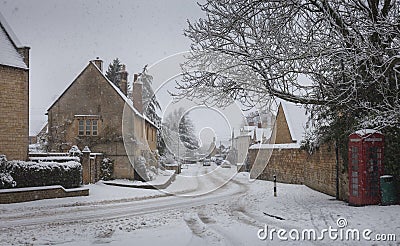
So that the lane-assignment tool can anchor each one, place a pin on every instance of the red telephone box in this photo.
(365, 166)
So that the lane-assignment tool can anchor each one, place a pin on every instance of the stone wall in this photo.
(39, 193)
(296, 166)
(14, 112)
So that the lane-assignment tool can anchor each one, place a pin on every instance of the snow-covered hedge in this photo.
(29, 174)
(6, 181)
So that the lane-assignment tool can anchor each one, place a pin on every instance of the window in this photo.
(87, 126)
(81, 127)
(354, 171)
(94, 127)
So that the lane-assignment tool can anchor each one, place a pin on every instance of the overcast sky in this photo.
(65, 35)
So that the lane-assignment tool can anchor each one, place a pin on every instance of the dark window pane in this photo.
(88, 126)
(81, 128)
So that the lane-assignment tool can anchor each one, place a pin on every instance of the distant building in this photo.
(248, 136)
(283, 156)
(14, 94)
(93, 112)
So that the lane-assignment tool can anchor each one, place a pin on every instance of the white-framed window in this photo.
(88, 125)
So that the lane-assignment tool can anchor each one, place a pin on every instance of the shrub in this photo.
(75, 151)
(106, 169)
(6, 181)
(30, 174)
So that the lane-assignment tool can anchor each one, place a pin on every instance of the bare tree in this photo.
(256, 51)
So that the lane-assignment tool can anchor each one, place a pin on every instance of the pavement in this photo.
(162, 181)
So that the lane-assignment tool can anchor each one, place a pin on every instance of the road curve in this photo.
(76, 214)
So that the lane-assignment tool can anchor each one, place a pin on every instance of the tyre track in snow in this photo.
(209, 222)
(127, 209)
(204, 225)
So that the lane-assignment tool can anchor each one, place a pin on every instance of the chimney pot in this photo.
(99, 63)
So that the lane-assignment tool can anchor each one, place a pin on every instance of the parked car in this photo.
(206, 162)
(226, 164)
(219, 160)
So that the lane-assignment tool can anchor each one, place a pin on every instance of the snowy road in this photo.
(121, 209)
(190, 215)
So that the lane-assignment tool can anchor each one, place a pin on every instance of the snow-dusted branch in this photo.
(255, 51)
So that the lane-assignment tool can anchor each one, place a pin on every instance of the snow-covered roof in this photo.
(365, 132)
(263, 133)
(248, 131)
(9, 43)
(249, 128)
(10, 32)
(296, 118)
(125, 98)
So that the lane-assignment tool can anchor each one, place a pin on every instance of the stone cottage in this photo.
(93, 112)
(14, 94)
(283, 156)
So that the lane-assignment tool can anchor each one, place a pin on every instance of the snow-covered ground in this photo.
(199, 208)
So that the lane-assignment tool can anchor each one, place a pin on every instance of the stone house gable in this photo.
(90, 113)
(88, 97)
(14, 94)
(281, 131)
(290, 124)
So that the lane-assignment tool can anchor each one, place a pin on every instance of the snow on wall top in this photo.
(296, 118)
(8, 42)
(275, 146)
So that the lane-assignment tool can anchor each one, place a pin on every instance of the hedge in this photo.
(30, 174)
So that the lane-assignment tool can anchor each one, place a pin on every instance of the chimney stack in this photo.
(99, 63)
(124, 80)
(24, 52)
(137, 94)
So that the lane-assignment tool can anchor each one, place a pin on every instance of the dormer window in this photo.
(88, 125)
